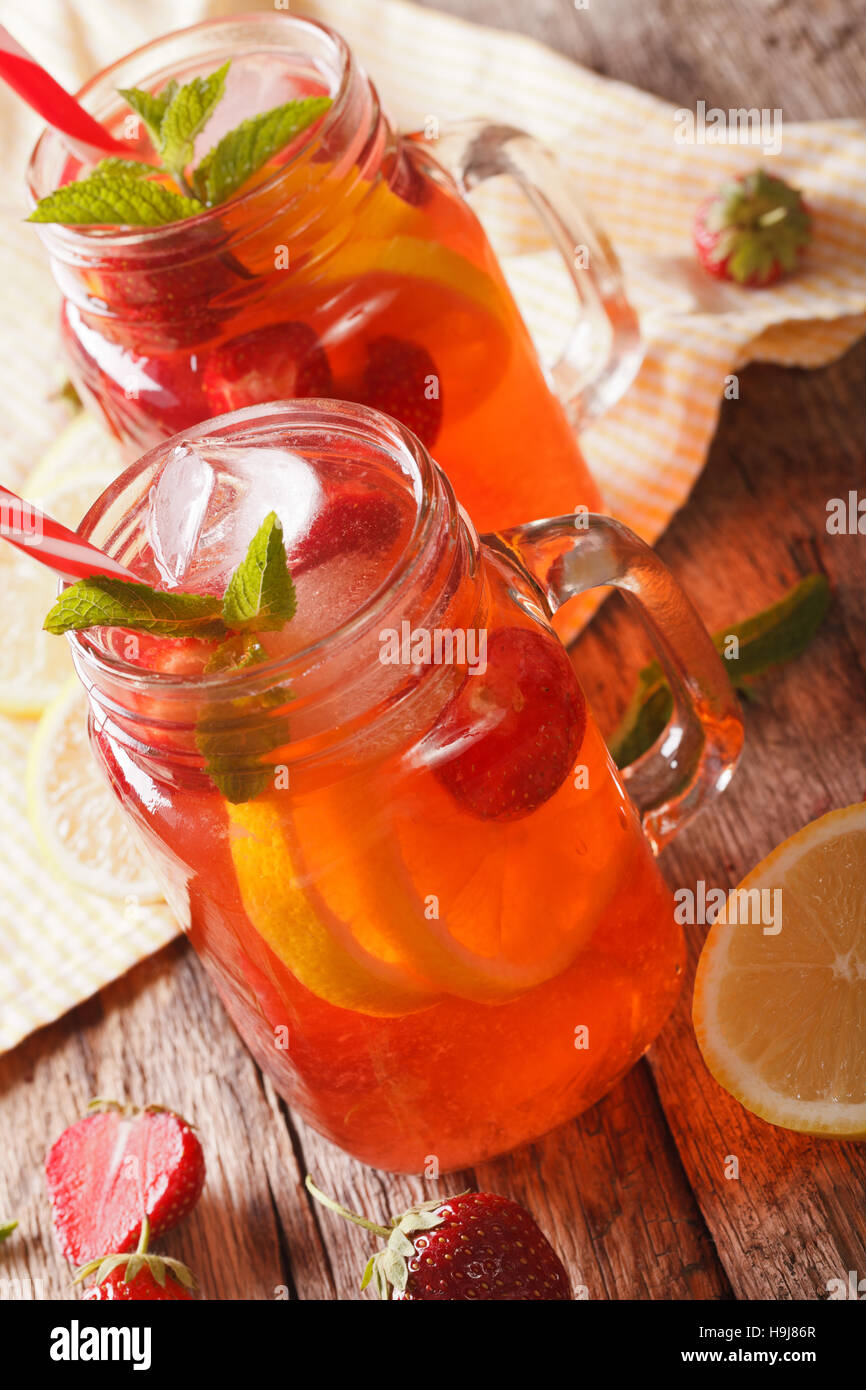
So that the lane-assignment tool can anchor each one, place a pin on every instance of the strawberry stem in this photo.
(326, 1201)
(144, 1238)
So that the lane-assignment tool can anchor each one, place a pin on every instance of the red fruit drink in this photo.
(350, 267)
(399, 845)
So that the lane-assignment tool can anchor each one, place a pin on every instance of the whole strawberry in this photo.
(516, 729)
(476, 1247)
(141, 1277)
(278, 362)
(401, 379)
(753, 231)
(352, 522)
(140, 1288)
(116, 1167)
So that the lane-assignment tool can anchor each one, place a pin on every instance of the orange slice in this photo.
(289, 911)
(462, 903)
(780, 1005)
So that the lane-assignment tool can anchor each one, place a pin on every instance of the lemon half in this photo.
(780, 1015)
(75, 816)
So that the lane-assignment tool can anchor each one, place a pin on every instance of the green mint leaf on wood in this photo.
(6, 1229)
(150, 106)
(776, 635)
(260, 593)
(247, 148)
(115, 199)
(105, 602)
(186, 116)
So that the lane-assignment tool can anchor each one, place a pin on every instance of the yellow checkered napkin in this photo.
(617, 146)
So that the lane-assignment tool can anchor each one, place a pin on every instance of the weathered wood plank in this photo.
(796, 1217)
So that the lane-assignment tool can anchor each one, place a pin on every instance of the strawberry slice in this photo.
(279, 362)
(117, 1165)
(516, 730)
(352, 523)
(401, 379)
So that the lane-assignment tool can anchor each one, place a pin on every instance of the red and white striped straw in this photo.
(39, 536)
(53, 102)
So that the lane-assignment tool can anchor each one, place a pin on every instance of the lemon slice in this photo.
(780, 1005)
(75, 815)
(33, 664)
(316, 945)
(416, 258)
(83, 445)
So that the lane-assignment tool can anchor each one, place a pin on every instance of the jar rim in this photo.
(102, 238)
(432, 491)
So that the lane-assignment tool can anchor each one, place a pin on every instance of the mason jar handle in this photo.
(694, 757)
(604, 351)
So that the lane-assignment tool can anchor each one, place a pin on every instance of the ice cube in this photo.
(177, 505)
(212, 497)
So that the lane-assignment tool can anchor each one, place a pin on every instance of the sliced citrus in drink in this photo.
(290, 909)
(418, 259)
(438, 892)
(34, 665)
(780, 1004)
(75, 815)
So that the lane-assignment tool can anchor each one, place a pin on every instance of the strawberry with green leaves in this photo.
(477, 1247)
(753, 231)
(139, 1277)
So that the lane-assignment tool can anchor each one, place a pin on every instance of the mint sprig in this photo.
(185, 118)
(116, 199)
(260, 593)
(248, 147)
(105, 602)
(150, 106)
(260, 596)
(233, 736)
(129, 192)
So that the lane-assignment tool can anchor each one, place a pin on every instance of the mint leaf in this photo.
(769, 638)
(105, 602)
(187, 114)
(260, 593)
(236, 653)
(117, 199)
(238, 740)
(150, 107)
(114, 164)
(247, 148)
(6, 1229)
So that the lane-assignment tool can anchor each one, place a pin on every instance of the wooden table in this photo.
(634, 1193)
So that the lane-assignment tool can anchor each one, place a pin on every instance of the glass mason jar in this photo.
(356, 270)
(426, 896)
